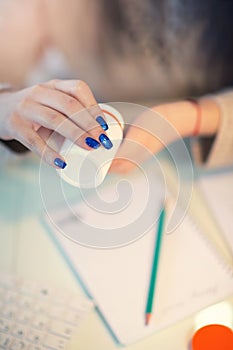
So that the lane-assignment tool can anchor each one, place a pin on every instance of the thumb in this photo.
(150, 133)
(138, 146)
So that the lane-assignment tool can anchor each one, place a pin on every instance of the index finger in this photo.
(82, 92)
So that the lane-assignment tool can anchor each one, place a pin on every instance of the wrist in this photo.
(210, 117)
(6, 109)
(183, 115)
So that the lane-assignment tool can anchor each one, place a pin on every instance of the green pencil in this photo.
(154, 270)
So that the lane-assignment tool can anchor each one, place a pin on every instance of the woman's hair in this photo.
(156, 27)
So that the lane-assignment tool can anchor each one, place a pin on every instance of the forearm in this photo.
(153, 133)
(183, 116)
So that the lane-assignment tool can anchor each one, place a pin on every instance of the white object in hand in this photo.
(87, 169)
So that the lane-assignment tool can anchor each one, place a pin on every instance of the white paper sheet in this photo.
(191, 275)
(218, 192)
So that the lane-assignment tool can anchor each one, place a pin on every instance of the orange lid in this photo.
(213, 337)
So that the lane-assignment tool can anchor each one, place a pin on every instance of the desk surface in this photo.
(27, 251)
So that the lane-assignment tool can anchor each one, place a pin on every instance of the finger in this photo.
(75, 88)
(138, 146)
(122, 166)
(52, 138)
(53, 120)
(36, 144)
(82, 92)
(127, 157)
(69, 107)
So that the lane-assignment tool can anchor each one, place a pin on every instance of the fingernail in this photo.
(105, 141)
(102, 123)
(60, 163)
(92, 142)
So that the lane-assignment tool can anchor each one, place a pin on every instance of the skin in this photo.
(182, 116)
(32, 114)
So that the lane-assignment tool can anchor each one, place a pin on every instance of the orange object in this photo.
(213, 337)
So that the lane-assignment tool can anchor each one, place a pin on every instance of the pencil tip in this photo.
(147, 320)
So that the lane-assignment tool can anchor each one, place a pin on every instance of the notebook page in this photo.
(191, 275)
(218, 192)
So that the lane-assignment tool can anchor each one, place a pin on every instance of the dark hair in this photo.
(146, 25)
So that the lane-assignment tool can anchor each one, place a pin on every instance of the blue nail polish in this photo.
(102, 123)
(105, 141)
(60, 163)
(92, 142)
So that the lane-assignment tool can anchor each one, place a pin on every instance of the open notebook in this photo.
(218, 192)
(192, 274)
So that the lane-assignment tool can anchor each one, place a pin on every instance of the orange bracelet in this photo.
(197, 127)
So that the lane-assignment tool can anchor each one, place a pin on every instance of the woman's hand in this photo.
(31, 115)
(151, 132)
